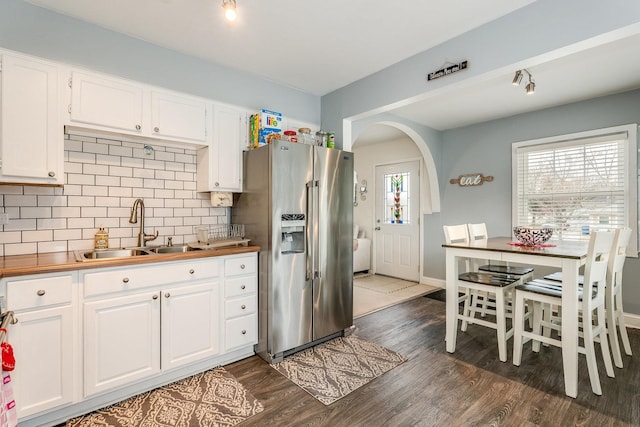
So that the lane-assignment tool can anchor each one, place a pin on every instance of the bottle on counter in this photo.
(102, 239)
(331, 140)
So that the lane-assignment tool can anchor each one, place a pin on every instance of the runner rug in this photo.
(211, 398)
(334, 369)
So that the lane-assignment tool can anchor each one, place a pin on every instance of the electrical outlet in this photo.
(4, 218)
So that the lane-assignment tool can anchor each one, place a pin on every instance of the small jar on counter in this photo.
(321, 138)
(290, 135)
(304, 136)
(101, 239)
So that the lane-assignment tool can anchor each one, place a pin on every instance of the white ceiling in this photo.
(322, 45)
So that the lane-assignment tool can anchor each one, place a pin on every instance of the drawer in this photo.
(241, 331)
(240, 286)
(240, 265)
(38, 292)
(240, 306)
(132, 278)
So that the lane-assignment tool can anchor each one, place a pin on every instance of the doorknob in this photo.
(377, 228)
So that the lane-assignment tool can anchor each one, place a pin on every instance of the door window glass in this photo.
(396, 198)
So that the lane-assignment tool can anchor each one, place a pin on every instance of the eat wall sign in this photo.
(471, 180)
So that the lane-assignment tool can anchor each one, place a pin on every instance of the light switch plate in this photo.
(4, 218)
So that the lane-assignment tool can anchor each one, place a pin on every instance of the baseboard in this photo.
(431, 281)
(632, 320)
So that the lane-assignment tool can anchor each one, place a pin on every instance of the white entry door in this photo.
(397, 228)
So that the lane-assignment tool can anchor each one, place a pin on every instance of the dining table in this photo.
(563, 255)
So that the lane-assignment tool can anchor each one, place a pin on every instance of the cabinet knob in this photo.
(125, 280)
(167, 295)
(154, 297)
(242, 286)
(243, 306)
(40, 292)
(138, 127)
(52, 174)
(242, 266)
(156, 129)
(192, 271)
(217, 184)
(244, 332)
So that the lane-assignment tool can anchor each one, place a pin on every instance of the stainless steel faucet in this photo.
(142, 236)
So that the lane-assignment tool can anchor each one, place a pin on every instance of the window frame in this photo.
(631, 173)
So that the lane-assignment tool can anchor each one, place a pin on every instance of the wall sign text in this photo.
(450, 69)
(471, 180)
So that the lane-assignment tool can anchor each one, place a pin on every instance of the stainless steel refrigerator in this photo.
(297, 204)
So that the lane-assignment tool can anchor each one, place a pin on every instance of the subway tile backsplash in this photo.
(103, 177)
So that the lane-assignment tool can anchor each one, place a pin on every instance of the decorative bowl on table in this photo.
(532, 235)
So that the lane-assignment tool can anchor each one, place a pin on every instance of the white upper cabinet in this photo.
(31, 136)
(178, 117)
(220, 164)
(112, 103)
(119, 105)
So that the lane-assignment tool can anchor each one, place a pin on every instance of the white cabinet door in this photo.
(121, 341)
(110, 103)
(31, 134)
(42, 341)
(190, 323)
(220, 164)
(178, 117)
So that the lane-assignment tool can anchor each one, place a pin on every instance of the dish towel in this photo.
(8, 412)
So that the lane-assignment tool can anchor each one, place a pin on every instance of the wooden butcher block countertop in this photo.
(22, 265)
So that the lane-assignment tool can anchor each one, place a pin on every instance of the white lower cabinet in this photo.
(241, 302)
(190, 324)
(87, 338)
(121, 341)
(139, 331)
(42, 340)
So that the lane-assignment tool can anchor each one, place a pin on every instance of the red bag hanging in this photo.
(8, 359)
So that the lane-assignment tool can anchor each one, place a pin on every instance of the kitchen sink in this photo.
(176, 249)
(110, 253)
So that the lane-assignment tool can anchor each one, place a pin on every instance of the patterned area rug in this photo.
(332, 370)
(212, 398)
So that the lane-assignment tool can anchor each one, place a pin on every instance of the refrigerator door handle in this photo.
(308, 234)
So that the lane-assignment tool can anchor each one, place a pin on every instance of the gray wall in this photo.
(543, 28)
(36, 31)
(486, 148)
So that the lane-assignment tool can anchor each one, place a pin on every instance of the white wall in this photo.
(366, 158)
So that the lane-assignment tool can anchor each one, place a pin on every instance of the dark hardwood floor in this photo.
(435, 388)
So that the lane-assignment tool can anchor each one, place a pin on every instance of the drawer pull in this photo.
(155, 297)
(40, 292)
(192, 271)
(244, 332)
(242, 266)
(167, 295)
(242, 286)
(125, 280)
(243, 306)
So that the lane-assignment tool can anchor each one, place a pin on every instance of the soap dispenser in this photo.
(102, 239)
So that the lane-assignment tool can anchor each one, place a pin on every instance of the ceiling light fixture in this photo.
(229, 7)
(530, 87)
(517, 78)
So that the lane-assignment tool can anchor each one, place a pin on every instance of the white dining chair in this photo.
(479, 232)
(613, 298)
(495, 286)
(541, 293)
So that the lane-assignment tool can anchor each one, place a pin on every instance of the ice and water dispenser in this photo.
(292, 228)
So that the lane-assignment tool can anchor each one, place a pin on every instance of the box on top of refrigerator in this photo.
(270, 120)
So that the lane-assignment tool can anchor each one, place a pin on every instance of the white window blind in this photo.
(577, 183)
